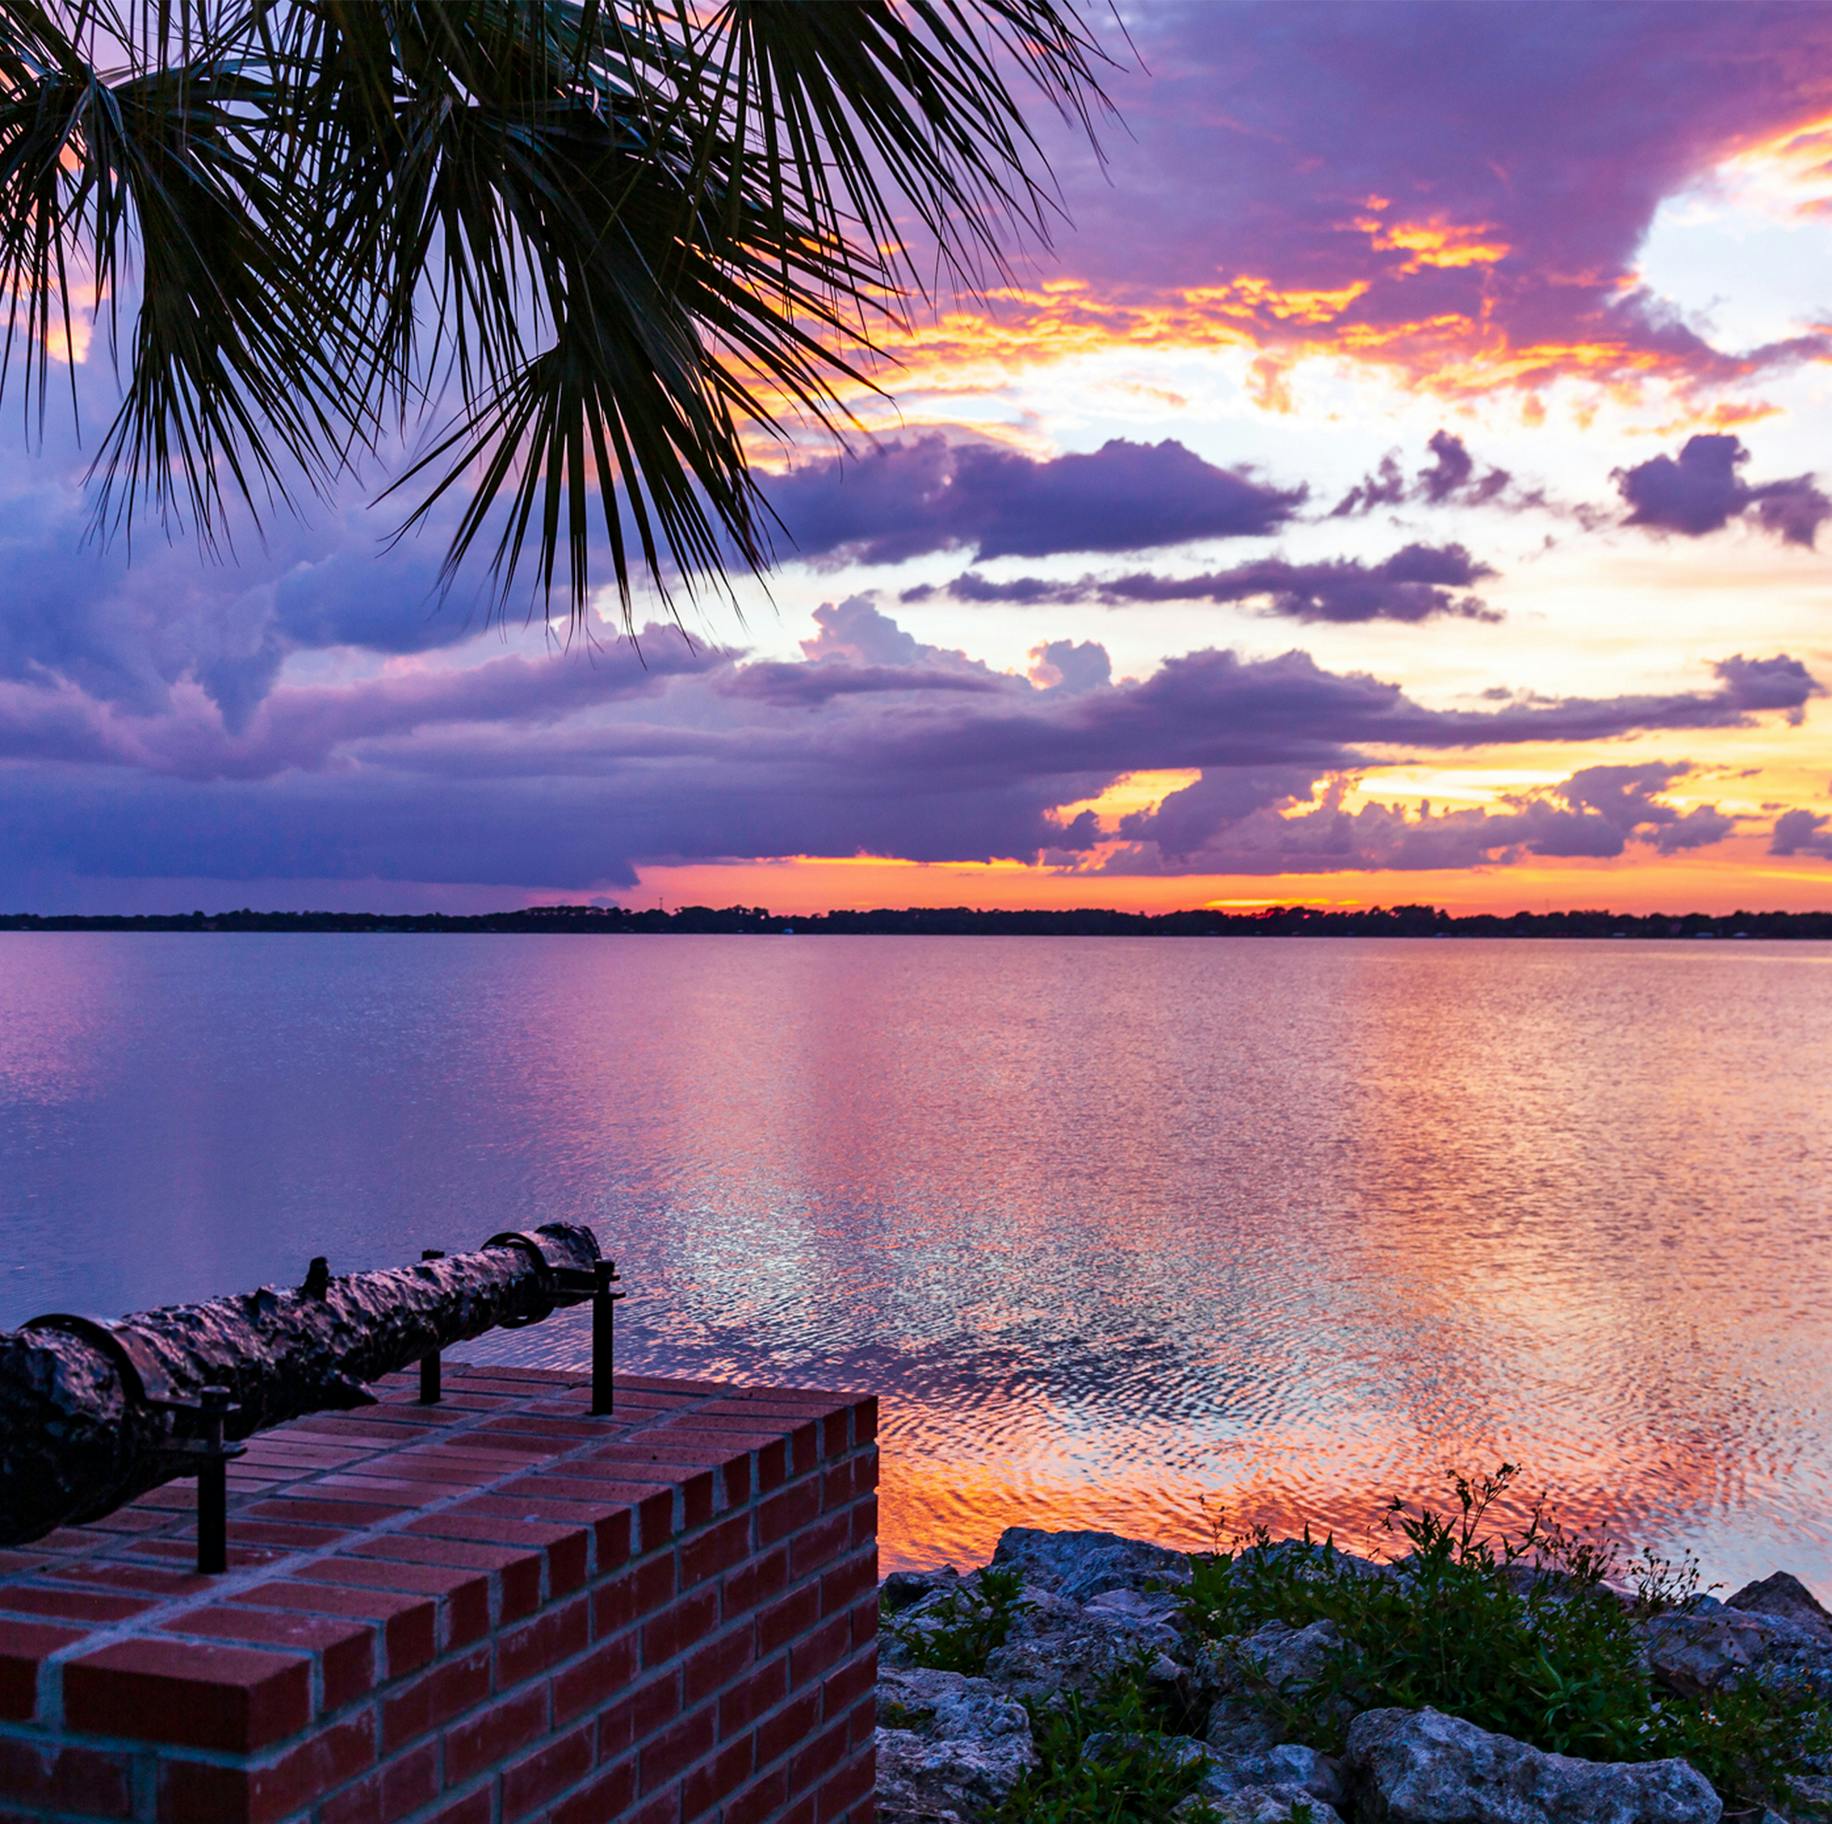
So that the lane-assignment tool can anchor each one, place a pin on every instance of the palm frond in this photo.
(598, 241)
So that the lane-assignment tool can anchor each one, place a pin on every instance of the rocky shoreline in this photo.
(1088, 1676)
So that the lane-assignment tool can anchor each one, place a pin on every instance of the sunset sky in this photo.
(1405, 478)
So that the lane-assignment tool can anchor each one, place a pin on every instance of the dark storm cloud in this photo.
(571, 771)
(1702, 489)
(1417, 583)
(913, 495)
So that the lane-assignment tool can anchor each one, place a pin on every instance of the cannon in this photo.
(95, 1411)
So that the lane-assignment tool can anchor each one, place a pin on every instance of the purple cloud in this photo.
(1417, 583)
(1701, 490)
(1451, 477)
(913, 495)
(1457, 194)
(1802, 833)
(1267, 823)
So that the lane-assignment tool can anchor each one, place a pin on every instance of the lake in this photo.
(1127, 1232)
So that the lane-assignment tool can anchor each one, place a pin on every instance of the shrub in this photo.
(1521, 1633)
(961, 1630)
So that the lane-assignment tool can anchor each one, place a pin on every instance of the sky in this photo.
(1404, 478)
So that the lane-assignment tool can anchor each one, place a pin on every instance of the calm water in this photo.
(1114, 1225)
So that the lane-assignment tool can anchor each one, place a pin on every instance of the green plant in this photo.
(1136, 1778)
(959, 1631)
(1518, 1631)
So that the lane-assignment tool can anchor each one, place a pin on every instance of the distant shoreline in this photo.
(958, 921)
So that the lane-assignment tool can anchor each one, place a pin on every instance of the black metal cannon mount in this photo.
(95, 1411)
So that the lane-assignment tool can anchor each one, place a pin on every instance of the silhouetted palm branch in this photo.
(599, 241)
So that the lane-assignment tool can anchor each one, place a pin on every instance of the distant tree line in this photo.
(965, 921)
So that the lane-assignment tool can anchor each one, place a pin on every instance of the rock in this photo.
(1787, 1599)
(904, 1589)
(1291, 1659)
(1810, 1797)
(1288, 1767)
(1238, 1726)
(1422, 1767)
(950, 1749)
(940, 1601)
(1082, 1565)
(1056, 1646)
(1703, 1650)
(1270, 1788)
(1258, 1805)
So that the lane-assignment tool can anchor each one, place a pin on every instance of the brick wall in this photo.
(480, 1612)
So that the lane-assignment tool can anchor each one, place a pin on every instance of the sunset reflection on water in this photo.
(1127, 1233)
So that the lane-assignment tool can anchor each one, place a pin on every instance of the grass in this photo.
(1518, 1632)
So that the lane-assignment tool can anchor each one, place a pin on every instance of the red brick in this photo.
(464, 1597)
(714, 1665)
(755, 1582)
(782, 1621)
(474, 1808)
(716, 1779)
(537, 1645)
(66, 1778)
(24, 1647)
(346, 1514)
(741, 1706)
(851, 1785)
(408, 1623)
(628, 1597)
(685, 1623)
(261, 1792)
(845, 1687)
(635, 1718)
(788, 1512)
(594, 1680)
(200, 1696)
(345, 1649)
(566, 1548)
(394, 1789)
(816, 1547)
(607, 1797)
(673, 1751)
(820, 1652)
(865, 1521)
(865, 1621)
(720, 1548)
(483, 1740)
(139, 1578)
(788, 1728)
(518, 1574)
(847, 1582)
(836, 1434)
(865, 1421)
(814, 1760)
(435, 1698)
(760, 1802)
(775, 1465)
(529, 1783)
(61, 1604)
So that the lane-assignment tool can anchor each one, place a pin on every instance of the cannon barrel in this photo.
(91, 1411)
